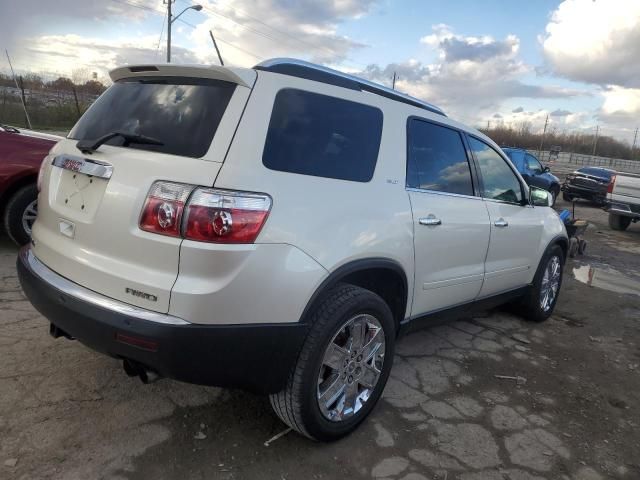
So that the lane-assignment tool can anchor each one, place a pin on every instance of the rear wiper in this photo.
(90, 146)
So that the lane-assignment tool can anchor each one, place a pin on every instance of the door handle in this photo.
(501, 222)
(430, 220)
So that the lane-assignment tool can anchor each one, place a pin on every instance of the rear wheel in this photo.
(538, 304)
(20, 214)
(619, 222)
(343, 366)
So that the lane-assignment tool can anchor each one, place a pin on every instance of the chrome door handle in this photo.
(430, 220)
(501, 222)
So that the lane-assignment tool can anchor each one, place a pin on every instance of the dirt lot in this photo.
(571, 410)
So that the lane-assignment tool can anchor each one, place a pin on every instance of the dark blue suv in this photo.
(533, 172)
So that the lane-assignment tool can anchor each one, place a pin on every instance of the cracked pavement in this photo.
(485, 398)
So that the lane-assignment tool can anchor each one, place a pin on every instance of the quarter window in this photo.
(437, 159)
(499, 181)
(322, 136)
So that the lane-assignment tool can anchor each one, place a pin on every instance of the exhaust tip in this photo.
(136, 369)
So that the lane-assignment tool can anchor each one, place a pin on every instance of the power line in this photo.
(281, 32)
(218, 38)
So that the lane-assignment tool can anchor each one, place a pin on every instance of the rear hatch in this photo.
(91, 202)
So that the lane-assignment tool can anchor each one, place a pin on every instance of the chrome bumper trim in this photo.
(68, 287)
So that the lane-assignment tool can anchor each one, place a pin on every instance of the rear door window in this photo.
(322, 136)
(182, 113)
(437, 159)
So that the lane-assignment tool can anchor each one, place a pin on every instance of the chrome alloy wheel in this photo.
(351, 367)
(29, 216)
(550, 283)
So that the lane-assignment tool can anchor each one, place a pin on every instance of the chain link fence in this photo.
(580, 160)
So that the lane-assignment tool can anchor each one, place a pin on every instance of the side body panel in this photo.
(449, 256)
(20, 157)
(626, 189)
(333, 221)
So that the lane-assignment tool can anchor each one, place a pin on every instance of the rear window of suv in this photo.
(182, 113)
(322, 136)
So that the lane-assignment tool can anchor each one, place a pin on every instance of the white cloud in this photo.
(472, 77)
(595, 41)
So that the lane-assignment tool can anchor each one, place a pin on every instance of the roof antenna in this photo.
(216, 45)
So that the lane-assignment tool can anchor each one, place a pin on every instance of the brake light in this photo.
(223, 216)
(163, 208)
(611, 184)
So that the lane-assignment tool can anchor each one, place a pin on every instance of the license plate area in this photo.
(80, 186)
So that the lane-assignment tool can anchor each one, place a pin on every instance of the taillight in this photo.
(43, 167)
(223, 216)
(163, 208)
(611, 184)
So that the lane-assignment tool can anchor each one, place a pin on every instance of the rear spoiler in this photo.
(245, 77)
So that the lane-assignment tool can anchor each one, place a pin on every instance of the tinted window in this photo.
(499, 181)
(182, 113)
(533, 164)
(437, 159)
(323, 136)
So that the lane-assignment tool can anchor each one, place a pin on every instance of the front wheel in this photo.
(566, 197)
(554, 195)
(538, 304)
(343, 366)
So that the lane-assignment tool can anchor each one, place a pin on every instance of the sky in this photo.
(483, 62)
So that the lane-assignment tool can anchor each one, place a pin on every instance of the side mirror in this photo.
(539, 197)
(546, 169)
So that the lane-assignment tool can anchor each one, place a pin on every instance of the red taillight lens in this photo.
(162, 211)
(611, 184)
(223, 216)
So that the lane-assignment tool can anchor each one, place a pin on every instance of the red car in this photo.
(21, 153)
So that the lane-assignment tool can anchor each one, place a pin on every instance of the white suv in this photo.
(276, 229)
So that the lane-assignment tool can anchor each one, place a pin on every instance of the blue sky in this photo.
(482, 61)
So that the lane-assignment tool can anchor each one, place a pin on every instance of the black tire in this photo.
(530, 306)
(16, 207)
(619, 222)
(554, 195)
(297, 404)
(566, 197)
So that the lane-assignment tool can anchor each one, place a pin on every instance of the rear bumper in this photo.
(587, 192)
(623, 209)
(254, 357)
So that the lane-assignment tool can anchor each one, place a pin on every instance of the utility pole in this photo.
(171, 19)
(595, 140)
(169, 2)
(544, 132)
(24, 103)
(393, 83)
(633, 147)
(217, 50)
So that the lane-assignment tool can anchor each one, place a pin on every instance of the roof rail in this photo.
(318, 73)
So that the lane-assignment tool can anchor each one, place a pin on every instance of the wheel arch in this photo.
(382, 276)
(563, 243)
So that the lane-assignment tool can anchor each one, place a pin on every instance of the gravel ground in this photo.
(489, 397)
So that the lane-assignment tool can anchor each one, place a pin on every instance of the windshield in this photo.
(182, 113)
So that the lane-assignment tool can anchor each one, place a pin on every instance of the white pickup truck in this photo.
(623, 196)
